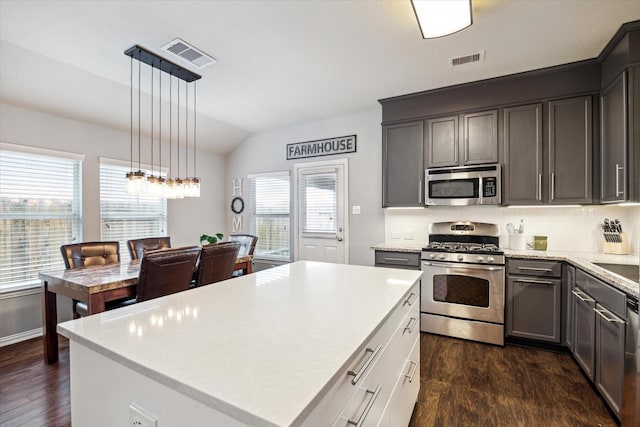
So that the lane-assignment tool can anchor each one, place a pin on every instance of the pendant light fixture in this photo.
(438, 18)
(137, 181)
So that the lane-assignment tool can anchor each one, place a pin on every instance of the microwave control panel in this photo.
(489, 186)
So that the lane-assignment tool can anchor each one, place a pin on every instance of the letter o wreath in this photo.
(237, 205)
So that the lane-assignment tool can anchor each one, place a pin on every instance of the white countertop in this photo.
(261, 348)
(583, 260)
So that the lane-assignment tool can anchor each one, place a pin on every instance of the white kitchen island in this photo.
(311, 344)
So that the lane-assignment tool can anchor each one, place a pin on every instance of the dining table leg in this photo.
(49, 319)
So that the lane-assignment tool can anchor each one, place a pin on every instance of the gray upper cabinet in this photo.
(613, 128)
(480, 137)
(570, 150)
(403, 170)
(523, 155)
(442, 142)
(478, 144)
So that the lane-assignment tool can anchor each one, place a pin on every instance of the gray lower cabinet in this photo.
(568, 283)
(393, 259)
(534, 300)
(570, 151)
(610, 341)
(402, 167)
(584, 326)
(465, 139)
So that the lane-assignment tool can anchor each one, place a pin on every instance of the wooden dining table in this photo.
(95, 286)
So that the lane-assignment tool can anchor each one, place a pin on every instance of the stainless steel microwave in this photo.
(463, 186)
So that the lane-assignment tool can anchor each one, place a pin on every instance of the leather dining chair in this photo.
(86, 254)
(247, 243)
(137, 247)
(165, 272)
(217, 262)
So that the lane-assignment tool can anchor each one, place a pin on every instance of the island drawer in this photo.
(405, 391)
(534, 268)
(365, 361)
(408, 260)
(613, 299)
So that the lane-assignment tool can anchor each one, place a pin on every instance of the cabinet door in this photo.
(609, 378)
(533, 308)
(568, 283)
(402, 169)
(584, 331)
(480, 137)
(523, 155)
(442, 142)
(613, 141)
(570, 155)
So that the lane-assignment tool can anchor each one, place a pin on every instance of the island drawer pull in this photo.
(546, 270)
(537, 282)
(410, 325)
(608, 319)
(367, 408)
(357, 375)
(396, 259)
(409, 300)
(581, 298)
(413, 372)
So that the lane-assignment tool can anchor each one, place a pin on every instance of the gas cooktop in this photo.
(461, 247)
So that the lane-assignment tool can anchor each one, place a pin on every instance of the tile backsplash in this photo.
(568, 228)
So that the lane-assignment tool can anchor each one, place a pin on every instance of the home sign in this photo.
(322, 147)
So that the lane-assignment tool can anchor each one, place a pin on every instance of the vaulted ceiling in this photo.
(282, 62)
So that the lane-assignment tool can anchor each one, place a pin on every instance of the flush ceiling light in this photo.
(438, 18)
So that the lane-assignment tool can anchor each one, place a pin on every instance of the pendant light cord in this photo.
(195, 94)
(151, 119)
(139, 144)
(160, 123)
(186, 129)
(170, 123)
(131, 115)
(178, 127)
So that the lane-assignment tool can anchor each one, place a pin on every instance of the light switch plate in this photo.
(355, 210)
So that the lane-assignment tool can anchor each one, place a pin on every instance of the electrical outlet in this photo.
(138, 417)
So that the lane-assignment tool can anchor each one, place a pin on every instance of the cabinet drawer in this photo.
(405, 392)
(398, 259)
(364, 362)
(613, 299)
(534, 268)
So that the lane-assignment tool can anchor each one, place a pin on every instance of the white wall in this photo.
(266, 152)
(575, 229)
(187, 218)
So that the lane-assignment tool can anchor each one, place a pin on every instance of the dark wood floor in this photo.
(462, 384)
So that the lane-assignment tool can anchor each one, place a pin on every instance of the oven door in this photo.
(465, 291)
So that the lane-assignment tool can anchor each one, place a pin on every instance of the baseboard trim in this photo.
(22, 336)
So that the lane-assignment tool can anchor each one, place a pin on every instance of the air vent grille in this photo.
(467, 59)
(185, 51)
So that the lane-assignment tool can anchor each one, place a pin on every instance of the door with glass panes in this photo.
(321, 200)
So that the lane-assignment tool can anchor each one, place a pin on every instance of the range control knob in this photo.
(460, 257)
(432, 256)
(441, 256)
(481, 258)
(490, 259)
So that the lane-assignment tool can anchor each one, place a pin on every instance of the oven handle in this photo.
(466, 266)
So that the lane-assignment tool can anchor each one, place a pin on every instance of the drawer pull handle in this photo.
(581, 298)
(396, 259)
(608, 319)
(410, 325)
(413, 371)
(546, 270)
(367, 408)
(410, 300)
(357, 375)
(536, 282)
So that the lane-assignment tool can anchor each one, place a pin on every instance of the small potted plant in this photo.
(205, 239)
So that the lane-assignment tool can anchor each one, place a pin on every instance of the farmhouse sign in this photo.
(322, 147)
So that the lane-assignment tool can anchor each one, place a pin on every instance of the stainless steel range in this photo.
(462, 292)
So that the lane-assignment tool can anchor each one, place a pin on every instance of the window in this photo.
(318, 202)
(40, 210)
(270, 221)
(124, 216)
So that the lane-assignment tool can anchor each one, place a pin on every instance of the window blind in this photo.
(318, 202)
(125, 216)
(271, 219)
(40, 210)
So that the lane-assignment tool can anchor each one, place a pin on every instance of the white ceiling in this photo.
(282, 62)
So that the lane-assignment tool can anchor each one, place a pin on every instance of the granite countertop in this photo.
(283, 331)
(582, 260)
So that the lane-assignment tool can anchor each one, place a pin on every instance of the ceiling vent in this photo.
(467, 59)
(193, 56)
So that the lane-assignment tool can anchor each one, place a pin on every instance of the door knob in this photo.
(339, 239)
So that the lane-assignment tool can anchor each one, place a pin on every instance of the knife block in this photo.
(618, 248)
